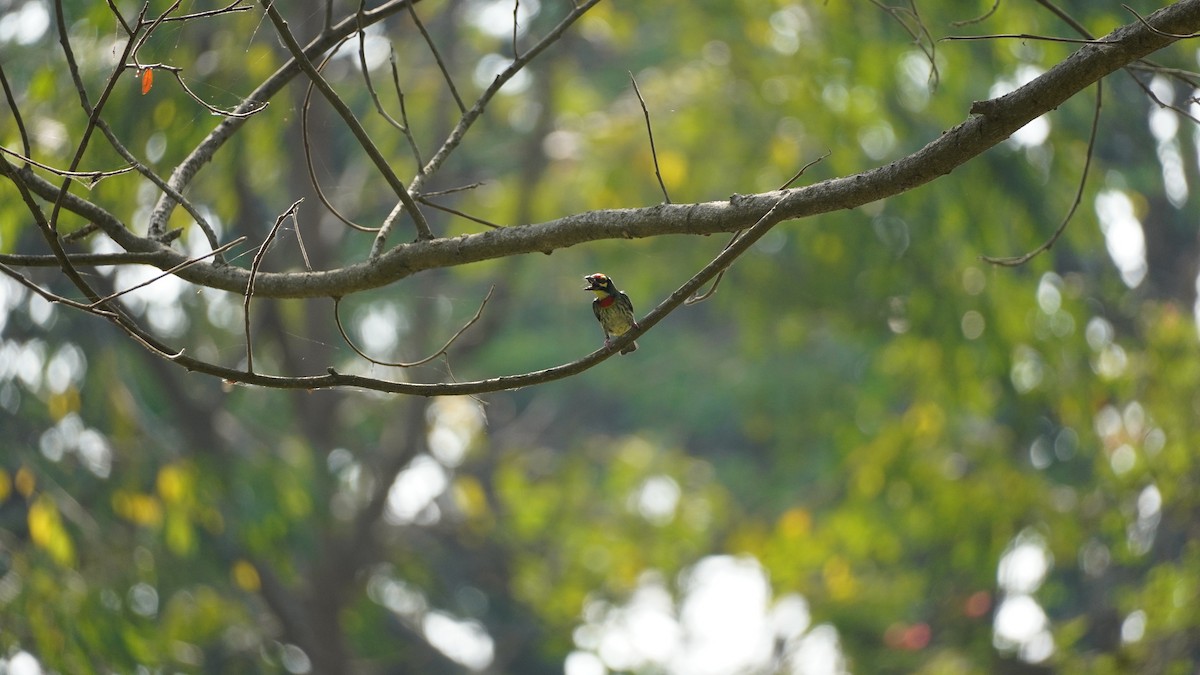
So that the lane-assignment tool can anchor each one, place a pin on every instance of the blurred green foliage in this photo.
(864, 407)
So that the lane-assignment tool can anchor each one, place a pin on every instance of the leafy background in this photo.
(869, 451)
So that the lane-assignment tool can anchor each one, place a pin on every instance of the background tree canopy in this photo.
(869, 450)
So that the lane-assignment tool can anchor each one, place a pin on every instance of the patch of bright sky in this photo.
(1024, 566)
(21, 663)
(1036, 131)
(495, 17)
(914, 75)
(1164, 125)
(1123, 235)
(656, 499)
(454, 421)
(463, 641)
(724, 622)
(410, 498)
(12, 294)
(26, 24)
(490, 67)
(376, 49)
(788, 28)
(380, 327)
(1020, 624)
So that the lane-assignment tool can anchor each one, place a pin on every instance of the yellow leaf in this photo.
(138, 508)
(245, 576)
(173, 484)
(26, 481)
(795, 523)
(47, 532)
(839, 579)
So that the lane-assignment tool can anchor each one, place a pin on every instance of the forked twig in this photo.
(650, 132)
(701, 297)
(337, 303)
(1087, 164)
(920, 34)
(258, 258)
(402, 127)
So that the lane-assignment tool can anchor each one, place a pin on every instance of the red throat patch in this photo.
(607, 302)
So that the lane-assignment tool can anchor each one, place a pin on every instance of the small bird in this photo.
(613, 309)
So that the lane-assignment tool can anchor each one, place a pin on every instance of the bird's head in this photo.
(600, 284)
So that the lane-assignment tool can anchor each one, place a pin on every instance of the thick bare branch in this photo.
(994, 120)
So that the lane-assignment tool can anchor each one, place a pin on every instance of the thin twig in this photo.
(120, 319)
(49, 295)
(650, 133)
(366, 72)
(258, 258)
(16, 112)
(516, 6)
(300, 241)
(92, 177)
(447, 191)
(307, 145)
(150, 27)
(97, 259)
(804, 168)
(405, 127)
(979, 19)
(121, 19)
(337, 302)
(1087, 164)
(1023, 36)
(235, 6)
(460, 214)
(222, 112)
(695, 299)
(81, 233)
(920, 34)
(166, 273)
(412, 10)
(1145, 23)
